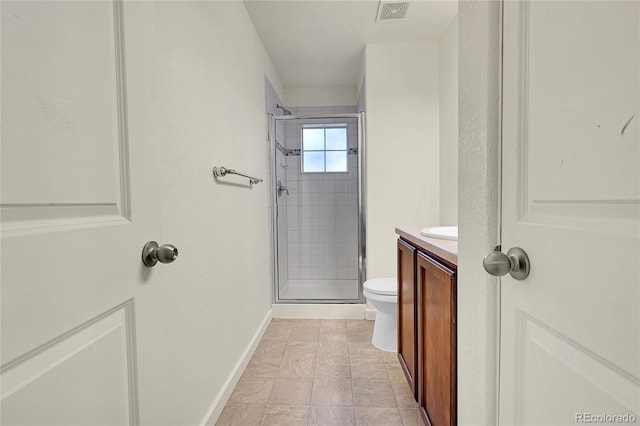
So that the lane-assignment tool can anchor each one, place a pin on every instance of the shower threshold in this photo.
(319, 290)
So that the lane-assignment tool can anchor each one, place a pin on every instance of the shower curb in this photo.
(319, 310)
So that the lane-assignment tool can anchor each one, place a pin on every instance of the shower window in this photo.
(324, 148)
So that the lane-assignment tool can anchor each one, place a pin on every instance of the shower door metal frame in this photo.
(362, 258)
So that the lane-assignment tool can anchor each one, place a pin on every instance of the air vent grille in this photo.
(396, 10)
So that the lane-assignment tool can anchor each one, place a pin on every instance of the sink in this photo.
(441, 232)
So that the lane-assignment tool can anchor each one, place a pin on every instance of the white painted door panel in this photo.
(570, 333)
(78, 203)
(63, 127)
(93, 367)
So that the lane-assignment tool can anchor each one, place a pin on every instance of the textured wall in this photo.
(362, 96)
(402, 157)
(211, 102)
(478, 192)
(449, 125)
(320, 96)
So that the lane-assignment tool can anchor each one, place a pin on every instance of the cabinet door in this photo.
(436, 342)
(407, 344)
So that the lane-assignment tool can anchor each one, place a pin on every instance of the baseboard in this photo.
(370, 313)
(229, 385)
(319, 310)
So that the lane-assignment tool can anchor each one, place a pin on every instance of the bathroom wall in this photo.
(402, 155)
(362, 95)
(448, 61)
(320, 96)
(211, 111)
(322, 222)
(479, 55)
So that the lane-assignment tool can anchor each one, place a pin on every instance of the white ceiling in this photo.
(321, 42)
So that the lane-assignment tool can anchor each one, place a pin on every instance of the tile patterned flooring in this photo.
(321, 372)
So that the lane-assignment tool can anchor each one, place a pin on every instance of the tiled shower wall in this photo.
(322, 208)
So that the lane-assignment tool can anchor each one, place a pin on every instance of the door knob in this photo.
(152, 253)
(515, 262)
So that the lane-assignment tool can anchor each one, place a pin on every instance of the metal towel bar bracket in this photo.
(223, 171)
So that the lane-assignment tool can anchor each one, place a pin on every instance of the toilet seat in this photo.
(382, 286)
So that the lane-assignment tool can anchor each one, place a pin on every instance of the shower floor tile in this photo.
(315, 385)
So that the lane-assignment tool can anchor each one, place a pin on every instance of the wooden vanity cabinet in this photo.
(436, 341)
(427, 331)
(407, 313)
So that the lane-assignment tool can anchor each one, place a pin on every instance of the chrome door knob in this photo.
(515, 262)
(497, 263)
(152, 253)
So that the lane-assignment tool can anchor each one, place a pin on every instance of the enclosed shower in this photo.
(318, 220)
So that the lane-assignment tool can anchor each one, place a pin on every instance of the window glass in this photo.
(324, 148)
(313, 161)
(336, 139)
(313, 139)
(336, 161)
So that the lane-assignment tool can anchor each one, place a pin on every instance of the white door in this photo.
(78, 203)
(570, 332)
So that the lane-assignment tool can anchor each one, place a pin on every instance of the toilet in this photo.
(383, 295)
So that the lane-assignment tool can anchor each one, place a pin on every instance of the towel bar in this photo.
(223, 171)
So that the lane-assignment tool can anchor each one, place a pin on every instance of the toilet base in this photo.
(385, 330)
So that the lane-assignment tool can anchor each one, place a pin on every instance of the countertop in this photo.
(446, 249)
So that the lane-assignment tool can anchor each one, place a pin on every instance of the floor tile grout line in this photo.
(358, 331)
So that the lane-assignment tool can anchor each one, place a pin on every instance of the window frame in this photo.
(324, 127)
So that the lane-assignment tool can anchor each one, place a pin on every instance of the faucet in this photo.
(281, 188)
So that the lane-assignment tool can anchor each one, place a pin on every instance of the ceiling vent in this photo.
(391, 10)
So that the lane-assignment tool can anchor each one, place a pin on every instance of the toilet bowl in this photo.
(383, 295)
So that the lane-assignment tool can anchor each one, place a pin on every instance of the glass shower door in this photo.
(317, 225)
